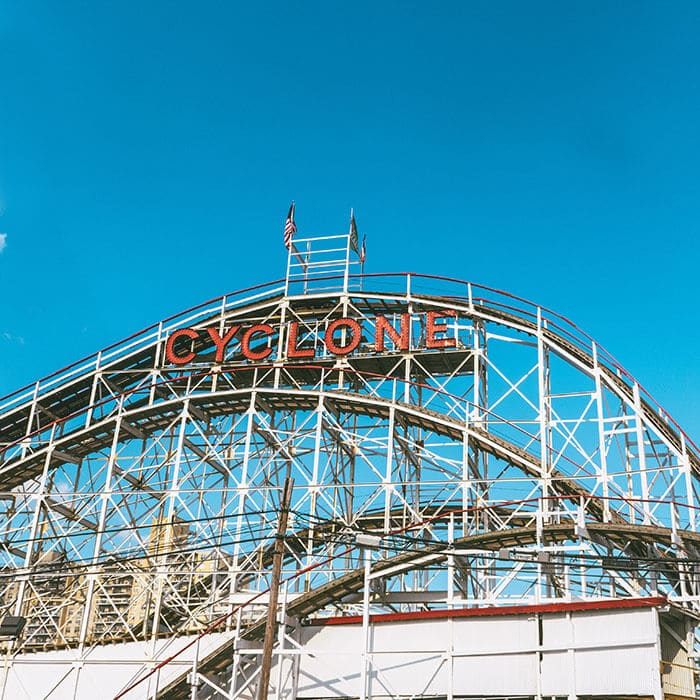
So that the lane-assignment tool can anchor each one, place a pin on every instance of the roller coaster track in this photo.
(128, 392)
(70, 396)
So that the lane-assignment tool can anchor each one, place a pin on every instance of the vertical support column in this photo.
(632, 505)
(571, 654)
(346, 275)
(478, 364)
(690, 493)
(539, 527)
(450, 658)
(156, 365)
(194, 683)
(242, 496)
(153, 686)
(602, 449)
(281, 352)
(296, 666)
(96, 376)
(307, 260)
(30, 420)
(451, 562)
(106, 498)
(538, 657)
(22, 585)
(345, 303)
(365, 693)
(582, 569)
(658, 691)
(236, 661)
(466, 483)
(7, 665)
(346, 463)
(313, 487)
(479, 407)
(544, 416)
(161, 576)
(408, 357)
(641, 453)
(407, 374)
(450, 603)
(388, 474)
(289, 269)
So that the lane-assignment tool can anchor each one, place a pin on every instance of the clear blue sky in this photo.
(149, 152)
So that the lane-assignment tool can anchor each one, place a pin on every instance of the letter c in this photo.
(170, 352)
(248, 352)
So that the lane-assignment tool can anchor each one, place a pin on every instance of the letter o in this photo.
(355, 332)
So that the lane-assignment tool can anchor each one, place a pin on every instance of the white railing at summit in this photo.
(308, 265)
(412, 284)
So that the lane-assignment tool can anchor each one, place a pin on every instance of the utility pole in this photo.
(278, 555)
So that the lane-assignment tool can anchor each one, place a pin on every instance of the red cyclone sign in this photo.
(341, 337)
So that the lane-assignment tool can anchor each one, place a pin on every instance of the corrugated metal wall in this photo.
(614, 652)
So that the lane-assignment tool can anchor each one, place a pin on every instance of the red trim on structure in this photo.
(501, 611)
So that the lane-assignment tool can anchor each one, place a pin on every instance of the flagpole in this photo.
(289, 230)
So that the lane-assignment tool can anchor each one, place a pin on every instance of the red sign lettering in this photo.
(355, 336)
(341, 337)
(170, 352)
(400, 341)
(292, 349)
(432, 328)
(220, 342)
(250, 354)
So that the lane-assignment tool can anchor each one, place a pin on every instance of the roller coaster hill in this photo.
(348, 485)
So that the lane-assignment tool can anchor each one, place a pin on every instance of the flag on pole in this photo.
(363, 250)
(290, 228)
(354, 242)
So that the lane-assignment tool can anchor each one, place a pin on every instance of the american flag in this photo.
(290, 228)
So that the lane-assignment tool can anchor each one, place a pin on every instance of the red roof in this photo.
(615, 604)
